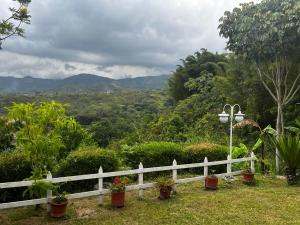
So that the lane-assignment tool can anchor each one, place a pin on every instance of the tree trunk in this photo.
(279, 130)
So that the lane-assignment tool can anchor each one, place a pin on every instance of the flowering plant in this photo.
(119, 184)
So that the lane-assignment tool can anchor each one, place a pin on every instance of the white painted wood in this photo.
(190, 179)
(205, 169)
(141, 180)
(120, 173)
(228, 164)
(157, 169)
(100, 186)
(174, 174)
(23, 203)
(252, 162)
(49, 192)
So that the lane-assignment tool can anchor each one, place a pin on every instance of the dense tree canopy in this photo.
(194, 66)
(264, 30)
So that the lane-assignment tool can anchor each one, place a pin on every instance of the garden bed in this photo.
(269, 201)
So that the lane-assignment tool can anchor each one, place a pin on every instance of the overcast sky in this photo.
(113, 38)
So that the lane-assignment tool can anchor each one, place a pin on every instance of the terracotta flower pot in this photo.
(118, 199)
(248, 177)
(58, 209)
(211, 182)
(165, 193)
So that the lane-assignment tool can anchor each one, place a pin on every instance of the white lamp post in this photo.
(224, 119)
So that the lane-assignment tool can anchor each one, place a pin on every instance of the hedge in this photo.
(86, 160)
(153, 154)
(14, 166)
(196, 153)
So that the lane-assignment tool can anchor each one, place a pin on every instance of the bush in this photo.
(86, 160)
(153, 154)
(196, 153)
(14, 166)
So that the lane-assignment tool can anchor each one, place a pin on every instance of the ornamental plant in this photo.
(164, 183)
(119, 184)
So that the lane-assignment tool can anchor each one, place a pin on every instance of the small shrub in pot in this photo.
(165, 186)
(59, 205)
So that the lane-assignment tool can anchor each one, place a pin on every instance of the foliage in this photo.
(60, 197)
(263, 30)
(196, 153)
(119, 184)
(14, 166)
(6, 134)
(39, 187)
(46, 131)
(289, 149)
(105, 132)
(164, 183)
(86, 160)
(12, 25)
(153, 154)
(194, 66)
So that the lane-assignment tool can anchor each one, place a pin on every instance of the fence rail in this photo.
(140, 186)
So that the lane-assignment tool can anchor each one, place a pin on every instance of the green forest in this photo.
(72, 133)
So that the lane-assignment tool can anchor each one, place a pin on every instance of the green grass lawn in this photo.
(269, 201)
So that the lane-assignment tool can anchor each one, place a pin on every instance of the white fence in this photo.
(140, 186)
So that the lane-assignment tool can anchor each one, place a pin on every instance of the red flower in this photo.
(116, 180)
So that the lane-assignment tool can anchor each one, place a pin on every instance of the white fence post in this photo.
(49, 192)
(174, 173)
(205, 168)
(252, 162)
(100, 186)
(228, 164)
(141, 180)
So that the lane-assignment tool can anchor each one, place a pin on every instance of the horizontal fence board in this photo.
(23, 203)
(190, 179)
(74, 178)
(16, 184)
(120, 173)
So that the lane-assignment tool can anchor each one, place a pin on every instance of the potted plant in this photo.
(248, 176)
(165, 186)
(211, 181)
(59, 205)
(118, 192)
(289, 150)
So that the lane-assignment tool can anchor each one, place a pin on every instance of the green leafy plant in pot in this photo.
(289, 150)
(165, 186)
(118, 192)
(59, 205)
(40, 186)
(211, 181)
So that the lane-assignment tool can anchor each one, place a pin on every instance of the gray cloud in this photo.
(112, 37)
(69, 67)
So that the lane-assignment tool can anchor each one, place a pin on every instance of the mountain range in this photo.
(80, 82)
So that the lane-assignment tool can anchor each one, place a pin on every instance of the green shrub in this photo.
(14, 166)
(153, 154)
(86, 160)
(196, 153)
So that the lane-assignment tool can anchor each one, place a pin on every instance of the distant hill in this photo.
(80, 82)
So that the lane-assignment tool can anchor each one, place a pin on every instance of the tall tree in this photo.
(268, 33)
(194, 66)
(13, 24)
